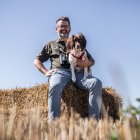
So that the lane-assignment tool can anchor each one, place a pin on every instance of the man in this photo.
(60, 73)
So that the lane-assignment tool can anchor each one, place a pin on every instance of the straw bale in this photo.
(72, 98)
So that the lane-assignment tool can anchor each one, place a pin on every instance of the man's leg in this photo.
(94, 86)
(58, 81)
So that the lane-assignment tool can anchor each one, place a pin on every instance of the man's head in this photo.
(63, 27)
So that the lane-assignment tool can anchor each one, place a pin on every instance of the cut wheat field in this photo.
(23, 116)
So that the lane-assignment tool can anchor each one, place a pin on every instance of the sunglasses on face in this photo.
(63, 26)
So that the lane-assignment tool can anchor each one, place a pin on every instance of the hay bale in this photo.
(27, 98)
(77, 99)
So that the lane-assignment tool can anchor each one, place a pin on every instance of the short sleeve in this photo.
(44, 55)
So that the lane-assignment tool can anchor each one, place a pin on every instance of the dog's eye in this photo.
(77, 40)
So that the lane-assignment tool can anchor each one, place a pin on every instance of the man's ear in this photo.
(70, 29)
(56, 29)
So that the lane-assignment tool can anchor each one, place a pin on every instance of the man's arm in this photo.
(41, 58)
(42, 69)
(89, 61)
(85, 63)
(40, 66)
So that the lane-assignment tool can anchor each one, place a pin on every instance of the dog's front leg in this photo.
(72, 65)
(90, 70)
(73, 73)
(85, 72)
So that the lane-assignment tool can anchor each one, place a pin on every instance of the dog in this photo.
(76, 49)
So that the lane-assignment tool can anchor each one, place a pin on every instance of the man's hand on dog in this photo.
(84, 63)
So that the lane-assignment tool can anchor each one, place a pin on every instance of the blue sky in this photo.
(111, 27)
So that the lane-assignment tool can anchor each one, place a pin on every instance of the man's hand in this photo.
(84, 63)
(49, 72)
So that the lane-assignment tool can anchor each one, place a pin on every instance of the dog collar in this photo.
(79, 57)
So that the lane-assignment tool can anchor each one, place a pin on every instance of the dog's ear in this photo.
(84, 41)
(73, 37)
(69, 44)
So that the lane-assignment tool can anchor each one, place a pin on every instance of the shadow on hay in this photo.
(78, 100)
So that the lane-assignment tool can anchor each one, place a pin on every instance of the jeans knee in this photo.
(97, 83)
(56, 87)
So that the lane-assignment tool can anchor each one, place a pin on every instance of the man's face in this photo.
(63, 29)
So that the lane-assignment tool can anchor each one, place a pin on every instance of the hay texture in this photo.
(72, 99)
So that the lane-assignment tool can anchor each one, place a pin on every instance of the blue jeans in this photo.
(60, 79)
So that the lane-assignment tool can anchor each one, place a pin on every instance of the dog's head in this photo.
(77, 42)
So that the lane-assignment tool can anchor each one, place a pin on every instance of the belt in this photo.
(65, 66)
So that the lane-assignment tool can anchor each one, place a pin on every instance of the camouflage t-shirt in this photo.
(55, 51)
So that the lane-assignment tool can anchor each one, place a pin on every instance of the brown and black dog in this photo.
(76, 48)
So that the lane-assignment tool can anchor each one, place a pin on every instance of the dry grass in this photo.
(31, 127)
(23, 116)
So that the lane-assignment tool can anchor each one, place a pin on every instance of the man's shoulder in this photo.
(52, 42)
